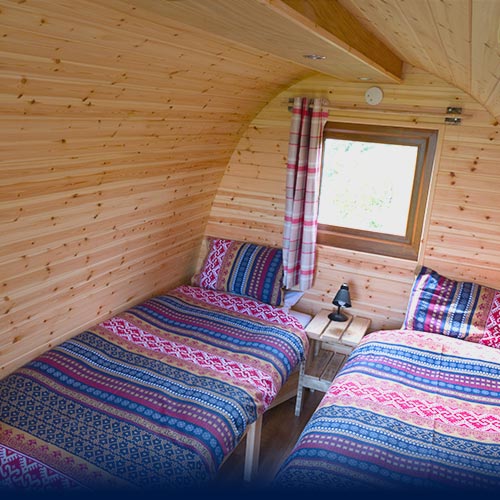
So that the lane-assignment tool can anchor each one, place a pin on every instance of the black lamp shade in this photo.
(342, 299)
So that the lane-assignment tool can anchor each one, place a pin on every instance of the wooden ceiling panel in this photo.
(337, 20)
(485, 60)
(457, 40)
(407, 27)
(274, 26)
(452, 21)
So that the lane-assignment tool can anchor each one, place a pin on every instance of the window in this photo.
(374, 186)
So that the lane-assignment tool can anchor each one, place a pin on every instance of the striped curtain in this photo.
(302, 192)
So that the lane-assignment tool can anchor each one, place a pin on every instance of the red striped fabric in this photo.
(302, 192)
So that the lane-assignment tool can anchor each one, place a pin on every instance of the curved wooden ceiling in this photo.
(456, 40)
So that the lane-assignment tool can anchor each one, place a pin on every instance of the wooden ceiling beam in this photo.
(291, 29)
(343, 30)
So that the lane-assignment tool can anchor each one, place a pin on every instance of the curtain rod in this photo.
(453, 112)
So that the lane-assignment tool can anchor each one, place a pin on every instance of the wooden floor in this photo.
(280, 430)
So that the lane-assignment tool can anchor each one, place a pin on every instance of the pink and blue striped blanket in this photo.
(408, 410)
(155, 397)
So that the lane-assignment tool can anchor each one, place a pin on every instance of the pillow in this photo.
(453, 308)
(491, 335)
(291, 297)
(240, 268)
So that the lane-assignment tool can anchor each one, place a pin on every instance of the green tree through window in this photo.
(374, 187)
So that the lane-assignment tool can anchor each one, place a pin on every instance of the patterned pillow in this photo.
(453, 308)
(246, 269)
(491, 335)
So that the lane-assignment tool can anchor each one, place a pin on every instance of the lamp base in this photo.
(337, 316)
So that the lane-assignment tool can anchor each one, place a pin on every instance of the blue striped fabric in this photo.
(454, 308)
(155, 397)
(408, 410)
(245, 269)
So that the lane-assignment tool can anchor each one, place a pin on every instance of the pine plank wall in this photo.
(127, 138)
(462, 235)
(116, 128)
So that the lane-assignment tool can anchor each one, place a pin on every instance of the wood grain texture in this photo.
(289, 32)
(337, 20)
(277, 441)
(462, 228)
(117, 126)
(120, 127)
(456, 40)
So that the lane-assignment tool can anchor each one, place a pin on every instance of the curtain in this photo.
(302, 192)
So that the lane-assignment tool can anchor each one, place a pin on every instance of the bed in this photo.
(159, 395)
(412, 408)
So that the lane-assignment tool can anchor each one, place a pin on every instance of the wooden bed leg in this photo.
(300, 389)
(252, 449)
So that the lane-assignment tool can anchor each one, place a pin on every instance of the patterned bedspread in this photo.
(408, 410)
(155, 397)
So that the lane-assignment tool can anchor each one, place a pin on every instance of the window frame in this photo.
(407, 246)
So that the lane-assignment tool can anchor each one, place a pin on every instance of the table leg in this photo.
(317, 346)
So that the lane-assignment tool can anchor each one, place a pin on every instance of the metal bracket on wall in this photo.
(449, 115)
(453, 120)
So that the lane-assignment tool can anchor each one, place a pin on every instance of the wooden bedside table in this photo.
(337, 340)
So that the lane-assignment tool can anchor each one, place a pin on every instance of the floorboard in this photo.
(280, 430)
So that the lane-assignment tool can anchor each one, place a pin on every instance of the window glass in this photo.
(374, 187)
(367, 186)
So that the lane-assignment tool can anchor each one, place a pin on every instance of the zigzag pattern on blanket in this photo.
(156, 397)
(407, 409)
(219, 364)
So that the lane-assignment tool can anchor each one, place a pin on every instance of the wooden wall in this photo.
(115, 130)
(462, 236)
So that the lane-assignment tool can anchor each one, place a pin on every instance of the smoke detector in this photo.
(374, 96)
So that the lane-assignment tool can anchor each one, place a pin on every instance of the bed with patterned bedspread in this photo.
(412, 408)
(408, 409)
(155, 397)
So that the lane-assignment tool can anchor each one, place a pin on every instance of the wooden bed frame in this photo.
(253, 432)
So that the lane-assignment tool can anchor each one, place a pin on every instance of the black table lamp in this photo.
(341, 299)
